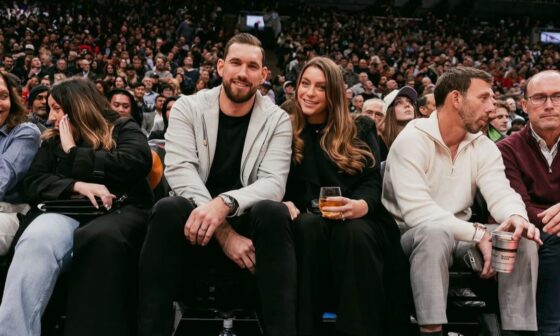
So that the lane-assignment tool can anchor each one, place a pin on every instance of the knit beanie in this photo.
(34, 92)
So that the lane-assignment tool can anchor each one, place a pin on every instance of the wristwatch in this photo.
(230, 202)
(479, 231)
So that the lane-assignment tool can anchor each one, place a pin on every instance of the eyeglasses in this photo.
(540, 99)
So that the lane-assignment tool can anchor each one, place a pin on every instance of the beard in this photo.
(42, 112)
(471, 125)
(238, 97)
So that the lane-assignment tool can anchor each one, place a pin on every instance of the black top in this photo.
(317, 170)
(124, 169)
(326, 169)
(383, 148)
(225, 172)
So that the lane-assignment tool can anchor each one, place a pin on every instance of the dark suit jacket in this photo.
(90, 75)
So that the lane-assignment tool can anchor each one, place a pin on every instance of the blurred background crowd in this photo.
(169, 49)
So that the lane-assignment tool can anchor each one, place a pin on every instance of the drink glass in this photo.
(504, 251)
(324, 194)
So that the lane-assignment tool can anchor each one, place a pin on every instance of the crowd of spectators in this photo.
(143, 56)
(49, 42)
(394, 52)
(177, 47)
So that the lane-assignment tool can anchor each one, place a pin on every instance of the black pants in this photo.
(340, 266)
(167, 257)
(102, 289)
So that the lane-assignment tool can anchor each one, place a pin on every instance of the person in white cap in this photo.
(398, 110)
(288, 92)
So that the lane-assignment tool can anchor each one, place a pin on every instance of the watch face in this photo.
(227, 201)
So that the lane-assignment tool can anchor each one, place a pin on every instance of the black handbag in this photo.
(79, 206)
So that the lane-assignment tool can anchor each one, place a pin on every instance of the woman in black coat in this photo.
(90, 153)
(343, 261)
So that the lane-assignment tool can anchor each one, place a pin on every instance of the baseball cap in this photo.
(288, 83)
(406, 91)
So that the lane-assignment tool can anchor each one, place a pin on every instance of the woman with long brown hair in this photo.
(341, 249)
(94, 154)
(399, 110)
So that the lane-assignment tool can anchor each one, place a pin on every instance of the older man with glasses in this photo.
(533, 168)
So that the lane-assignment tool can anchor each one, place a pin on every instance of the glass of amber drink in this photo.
(324, 194)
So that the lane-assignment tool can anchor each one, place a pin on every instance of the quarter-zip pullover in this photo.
(424, 185)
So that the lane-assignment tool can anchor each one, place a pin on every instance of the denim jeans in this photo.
(42, 252)
(548, 289)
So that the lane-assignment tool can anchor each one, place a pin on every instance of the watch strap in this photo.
(479, 231)
(230, 202)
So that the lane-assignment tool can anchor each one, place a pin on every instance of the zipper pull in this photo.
(205, 142)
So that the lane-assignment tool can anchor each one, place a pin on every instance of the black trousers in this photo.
(340, 267)
(167, 257)
(102, 288)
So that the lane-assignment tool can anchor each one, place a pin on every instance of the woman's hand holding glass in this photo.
(66, 138)
(92, 190)
(347, 208)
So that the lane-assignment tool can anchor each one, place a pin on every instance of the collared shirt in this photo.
(549, 154)
(150, 99)
(17, 150)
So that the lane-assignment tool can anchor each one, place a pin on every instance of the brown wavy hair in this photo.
(87, 111)
(18, 112)
(338, 140)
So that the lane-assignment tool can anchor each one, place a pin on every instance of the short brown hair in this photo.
(459, 79)
(245, 38)
(502, 104)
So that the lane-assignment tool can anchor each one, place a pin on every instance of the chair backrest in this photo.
(161, 188)
(156, 173)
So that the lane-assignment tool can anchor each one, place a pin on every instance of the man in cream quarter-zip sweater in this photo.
(432, 173)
